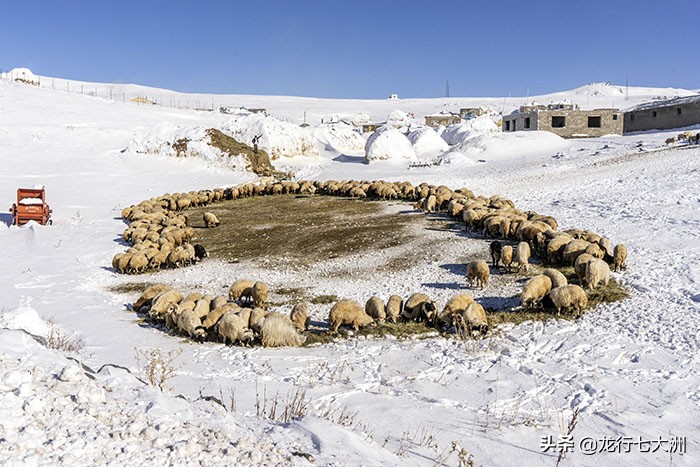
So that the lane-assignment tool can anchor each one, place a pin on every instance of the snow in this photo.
(427, 143)
(631, 367)
(457, 134)
(388, 143)
(31, 201)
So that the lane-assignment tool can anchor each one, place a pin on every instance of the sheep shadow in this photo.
(443, 285)
(455, 268)
(496, 303)
(6, 218)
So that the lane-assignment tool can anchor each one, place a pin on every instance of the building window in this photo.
(593, 122)
(679, 111)
(653, 114)
(527, 122)
(558, 122)
(615, 117)
(631, 117)
(507, 125)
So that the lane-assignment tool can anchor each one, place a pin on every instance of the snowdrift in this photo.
(504, 146)
(388, 143)
(457, 134)
(339, 137)
(427, 143)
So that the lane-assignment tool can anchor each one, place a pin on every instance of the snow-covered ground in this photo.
(631, 368)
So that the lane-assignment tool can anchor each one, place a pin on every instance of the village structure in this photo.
(663, 115)
(565, 120)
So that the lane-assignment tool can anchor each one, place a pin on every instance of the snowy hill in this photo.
(630, 367)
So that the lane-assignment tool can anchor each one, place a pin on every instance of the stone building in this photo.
(663, 115)
(444, 119)
(565, 120)
(471, 112)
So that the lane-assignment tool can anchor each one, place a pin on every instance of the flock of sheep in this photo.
(242, 318)
(160, 234)
(685, 136)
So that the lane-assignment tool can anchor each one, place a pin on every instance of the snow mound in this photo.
(400, 120)
(459, 133)
(504, 146)
(176, 141)
(388, 143)
(340, 137)
(25, 318)
(278, 138)
(24, 75)
(361, 119)
(427, 143)
(599, 89)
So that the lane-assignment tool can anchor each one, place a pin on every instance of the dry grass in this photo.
(157, 367)
(63, 341)
(130, 287)
(259, 162)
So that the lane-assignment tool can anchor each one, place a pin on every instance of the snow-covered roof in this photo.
(667, 102)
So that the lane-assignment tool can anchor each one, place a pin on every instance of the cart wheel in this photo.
(50, 222)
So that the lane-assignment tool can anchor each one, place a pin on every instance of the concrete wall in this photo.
(663, 118)
(575, 122)
(435, 121)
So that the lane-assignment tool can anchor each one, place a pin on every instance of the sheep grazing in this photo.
(495, 250)
(459, 302)
(376, 309)
(534, 290)
(279, 331)
(419, 307)
(597, 273)
(573, 249)
(558, 279)
(241, 289)
(259, 294)
(218, 301)
(393, 308)
(478, 273)
(607, 246)
(568, 296)
(522, 256)
(256, 319)
(210, 220)
(149, 294)
(200, 252)
(472, 318)
(670, 141)
(507, 256)
(580, 266)
(203, 306)
(215, 315)
(620, 256)
(348, 312)
(162, 302)
(231, 328)
(300, 316)
(191, 324)
(430, 203)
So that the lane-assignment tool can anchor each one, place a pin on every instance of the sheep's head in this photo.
(429, 311)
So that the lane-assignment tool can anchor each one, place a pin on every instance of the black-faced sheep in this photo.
(478, 273)
(240, 289)
(568, 296)
(419, 307)
(259, 294)
(376, 309)
(558, 279)
(300, 316)
(200, 252)
(495, 250)
(279, 331)
(393, 308)
(534, 290)
(348, 312)
(231, 328)
(210, 220)
(620, 256)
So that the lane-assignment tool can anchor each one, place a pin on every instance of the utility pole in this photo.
(627, 87)
(447, 88)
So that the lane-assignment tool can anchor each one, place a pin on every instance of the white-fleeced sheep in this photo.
(259, 294)
(393, 308)
(215, 315)
(203, 306)
(573, 249)
(580, 266)
(210, 220)
(478, 273)
(256, 318)
(419, 307)
(534, 290)
(161, 303)
(240, 289)
(231, 328)
(348, 312)
(189, 323)
(507, 256)
(597, 273)
(376, 309)
(522, 256)
(279, 331)
(619, 257)
(149, 294)
(459, 302)
(472, 318)
(300, 316)
(558, 279)
(568, 296)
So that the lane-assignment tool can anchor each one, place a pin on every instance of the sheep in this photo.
(256, 317)
(580, 266)
(495, 250)
(348, 312)
(218, 301)
(595, 250)
(161, 303)
(203, 306)
(558, 279)
(300, 316)
(507, 256)
(670, 140)
(573, 249)
(568, 296)
(607, 246)
(138, 263)
(240, 289)
(200, 252)
(620, 256)
(215, 315)
(457, 303)
(279, 331)
(597, 273)
(393, 308)
(232, 328)
(419, 307)
(478, 273)
(259, 294)
(555, 247)
(472, 318)
(148, 295)
(376, 309)
(430, 203)
(534, 290)
(210, 220)
(522, 255)
(191, 324)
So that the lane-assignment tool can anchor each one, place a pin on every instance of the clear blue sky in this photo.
(356, 49)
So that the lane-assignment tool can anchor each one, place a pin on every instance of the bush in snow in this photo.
(388, 143)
